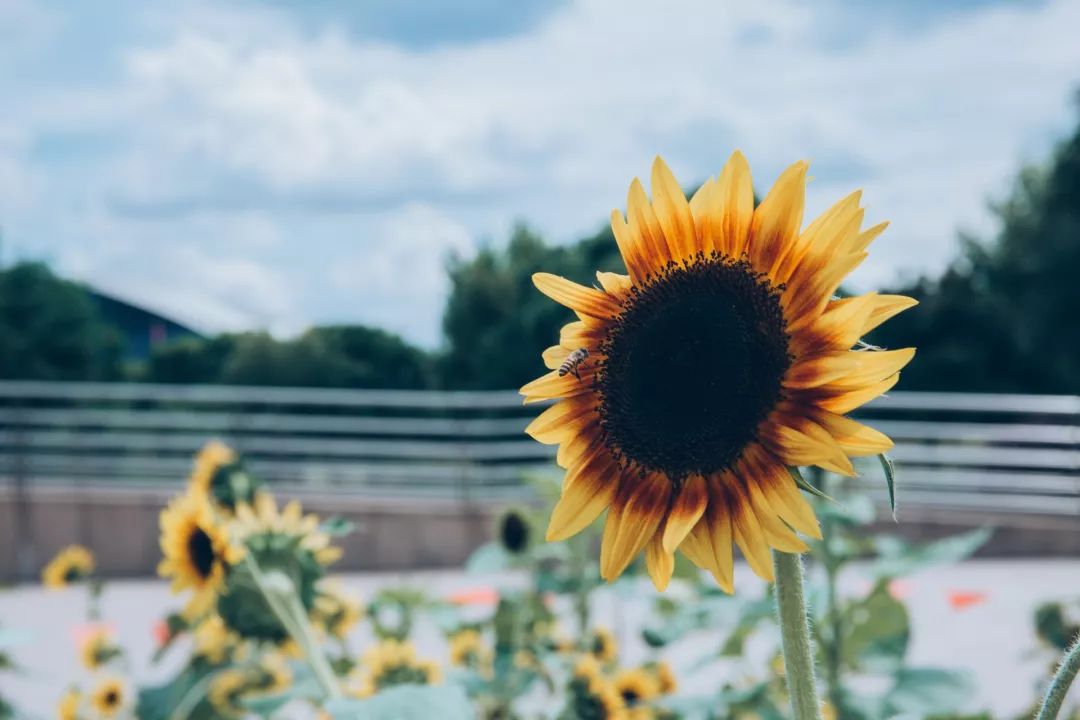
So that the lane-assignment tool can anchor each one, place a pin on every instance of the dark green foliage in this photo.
(1003, 317)
(497, 323)
(50, 329)
(328, 356)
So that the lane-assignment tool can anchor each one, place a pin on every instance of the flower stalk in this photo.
(1059, 685)
(795, 637)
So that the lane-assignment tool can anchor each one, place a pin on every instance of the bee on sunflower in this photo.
(109, 698)
(722, 359)
(392, 663)
(218, 474)
(197, 551)
(98, 649)
(286, 542)
(72, 564)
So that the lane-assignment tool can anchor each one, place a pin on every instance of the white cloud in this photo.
(325, 175)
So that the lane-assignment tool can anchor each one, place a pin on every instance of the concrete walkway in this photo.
(991, 636)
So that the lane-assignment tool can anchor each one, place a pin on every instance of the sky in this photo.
(262, 164)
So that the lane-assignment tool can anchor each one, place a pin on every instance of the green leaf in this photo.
(803, 484)
(876, 631)
(407, 702)
(899, 559)
(488, 558)
(337, 526)
(890, 479)
(928, 691)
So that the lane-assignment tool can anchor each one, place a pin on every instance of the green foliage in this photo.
(50, 329)
(406, 702)
(1001, 319)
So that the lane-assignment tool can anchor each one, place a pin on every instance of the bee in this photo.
(572, 364)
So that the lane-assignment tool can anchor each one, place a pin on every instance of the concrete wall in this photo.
(121, 526)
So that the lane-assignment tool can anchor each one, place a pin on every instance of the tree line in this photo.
(1000, 318)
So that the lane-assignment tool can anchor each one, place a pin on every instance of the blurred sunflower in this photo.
(636, 686)
(393, 663)
(592, 695)
(467, 649)
(226, 690)
(218, 475)
(602, 645)
(214, 641)
(98, 649)
(335, 612)
(285, 542)
(68, 709)
(71, 564)
(667, 683)
(513, 531)
(197, 551)
(109, 698)
(720, 360)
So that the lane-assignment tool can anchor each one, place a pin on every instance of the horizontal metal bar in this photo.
(978, 432)
(980, 402)
(986, 455)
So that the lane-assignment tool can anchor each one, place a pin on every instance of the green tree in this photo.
(50, 329)
(1003, 316)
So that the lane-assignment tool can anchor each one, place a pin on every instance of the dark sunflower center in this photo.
(693, 365)
(201, 551)
(630, 696)
(112, 698)
(515, 533)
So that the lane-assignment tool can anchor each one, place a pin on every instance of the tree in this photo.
(50, 329)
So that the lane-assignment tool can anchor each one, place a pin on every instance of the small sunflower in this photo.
(70, 703)
(595, 697)
(214, 641)
(98, 649)
(226, 690)
(603, 646)
(197, 551)
(218, 474)
(395, 663)
(467, 649)
(262, 518)
(71, 564)
(667, 683)
(513, 531)
(109, 698)
(722, 359)
(335, 612)
(636, 686)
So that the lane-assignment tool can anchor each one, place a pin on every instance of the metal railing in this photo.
(994, 453)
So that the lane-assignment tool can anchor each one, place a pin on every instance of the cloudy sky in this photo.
(260, 163)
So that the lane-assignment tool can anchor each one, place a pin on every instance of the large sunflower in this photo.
(197, 550)
(720, 360)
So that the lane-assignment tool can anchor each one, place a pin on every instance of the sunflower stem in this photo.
(193, 697)
(1059, 686)
(280, 594)
(795, 637)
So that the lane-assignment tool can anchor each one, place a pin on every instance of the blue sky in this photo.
(267, 164)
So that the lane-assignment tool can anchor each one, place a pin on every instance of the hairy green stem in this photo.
(193, 697)
(1059, 686)
(795, 636)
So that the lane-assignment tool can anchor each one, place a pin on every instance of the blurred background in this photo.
(308, 229)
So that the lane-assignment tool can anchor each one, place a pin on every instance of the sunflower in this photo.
(214, 641)
(722, 359)
(636, 686)
(335, 612)
(394, 663)
(218, 474)
(667, 683)
(98, 649)
(262, 518)
(594, 696)
(68, 708)
(71, 564)
(467, 649)
(226, 690)
(109, 698)
(196, 549)
(602, 645)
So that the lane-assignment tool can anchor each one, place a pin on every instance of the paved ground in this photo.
(992, 637)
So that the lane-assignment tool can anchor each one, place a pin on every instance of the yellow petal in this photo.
(709, 544)
(552, 385)
(634, 518)
(563, 417)
(871, 366)
(645, 226)
(659, 563)
(782, 493)
(777, 534)
(845, 402)
(632, 248)
(685, 512)
(700, 206)
(838, 328)
(820, 369)
(582, 501)
(799, 441)
(865, 238)
(885, 307)
(673, 212)
(807, 293)
(734, 210)
(614, 284)
(579, 298)
(553, 357)
(817, 233)
(777, 220)
(856, 439)
(750, 536)
(575, 447)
